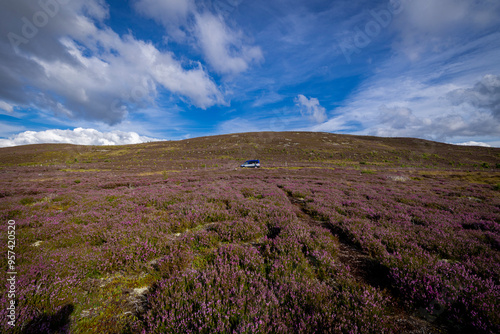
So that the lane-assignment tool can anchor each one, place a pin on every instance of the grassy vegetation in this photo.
(173, 237)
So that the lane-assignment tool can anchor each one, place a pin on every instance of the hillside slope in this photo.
(273, 148)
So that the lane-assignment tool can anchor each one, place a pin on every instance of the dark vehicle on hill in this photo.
(251, 164)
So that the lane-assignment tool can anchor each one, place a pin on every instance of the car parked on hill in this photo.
(251, 164)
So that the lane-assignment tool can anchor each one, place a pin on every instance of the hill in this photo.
(335, 233)
(275, 148)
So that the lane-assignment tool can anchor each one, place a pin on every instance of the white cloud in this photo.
(223, 48)
(6, 106)
(402, 107)
(79, 69)
(485, 95)
(473, 143)
(78, 136)
(445, 96)
(195, 83)
(336, 124)
(311, 108)
(398, 117)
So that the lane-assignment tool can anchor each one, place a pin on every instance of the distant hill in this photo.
(274, 149)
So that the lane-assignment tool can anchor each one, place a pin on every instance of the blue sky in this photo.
(116, 72)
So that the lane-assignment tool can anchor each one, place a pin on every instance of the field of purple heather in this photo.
(275, 250)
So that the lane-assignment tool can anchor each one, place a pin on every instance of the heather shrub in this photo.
(441, 252)
(177, 259)
(252, 253)
(241, 230)
(240, 290)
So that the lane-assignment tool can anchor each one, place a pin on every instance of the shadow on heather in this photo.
(51, 323)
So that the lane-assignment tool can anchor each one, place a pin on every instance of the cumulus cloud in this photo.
(484, 95)
(398, 117)
(402, 107)
(223, 47)
(311, 108)
(436, 96)
(78, 136)
(72, 64)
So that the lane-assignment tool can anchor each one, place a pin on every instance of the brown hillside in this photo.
(274, 149)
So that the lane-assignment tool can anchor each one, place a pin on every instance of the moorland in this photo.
(333, 234)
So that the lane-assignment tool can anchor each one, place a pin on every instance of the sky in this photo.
(104, 72)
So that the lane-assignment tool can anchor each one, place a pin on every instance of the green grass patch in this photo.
(27, 201)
